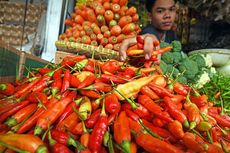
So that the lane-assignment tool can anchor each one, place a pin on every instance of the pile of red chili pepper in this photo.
(87, 106)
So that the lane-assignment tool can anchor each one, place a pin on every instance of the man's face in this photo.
(163, 14)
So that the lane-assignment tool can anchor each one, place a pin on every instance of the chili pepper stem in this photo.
(192, 125)
(132, 103)
(224, 147)
(209, 134)
(3, 86)
(222, 105)
(72, 142)
(38, 130)
(186, 124)
(126, 146)
(12, 147)
(40, 104)
(110, 144)
(148, 130)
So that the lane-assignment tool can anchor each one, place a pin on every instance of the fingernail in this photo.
(147, 56)
(122, 58)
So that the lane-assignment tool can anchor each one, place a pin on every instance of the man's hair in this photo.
(149, 4)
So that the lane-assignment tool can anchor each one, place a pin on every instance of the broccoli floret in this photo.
(176, 46)
(163, 66)
(164, 44)
(202, 60)
(167, 57)
(201, 79)
(182, 79)
(177, 57)
(189, 68)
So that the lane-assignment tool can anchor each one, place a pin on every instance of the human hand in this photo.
(151, 43)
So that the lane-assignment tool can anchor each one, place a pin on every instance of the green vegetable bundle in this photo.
(195, 70)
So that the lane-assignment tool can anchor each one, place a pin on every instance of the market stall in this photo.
(88, 101)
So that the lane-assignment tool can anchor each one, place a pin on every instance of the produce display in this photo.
(102, 23)
(83, 105)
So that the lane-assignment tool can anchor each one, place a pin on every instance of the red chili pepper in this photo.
(111, 118)
(149, 104)
(66, 81)
(98, 132)
(122, 133)
(57, 74)
(159, 131)
(71, 60)
(151, 144)
(36, 97)
(158, 122)
(88, 81)
(160, 91)
(223, 120)
(110, 66)
(180, 89)
(66, 93)
(149, 92)
(140, 39)
(10, 103)
(84, 139)
(21, 115)
(140, 46)
(4, 129)
(193, 142)
(112, 105)
(193, 114)
(175, 112)
(164, 116)
(134, 126)
(176, 129)
(13, 110)
(30, 142)
(90, 93)
(63, 138)
(57, 84)
(78, 129)
(28, 124)
(92, 120)
(91, 65)
(58, 147)
(132, 115)
(43, 70)
(68, 110)
(26, 89)
(52, 114)
(140, 110)
(108, 77)
(43, 82)
(74, 81)
(7, 89)
(177, 99)
(68, 123)
(99, 86)
(200, 101)
(126, 73)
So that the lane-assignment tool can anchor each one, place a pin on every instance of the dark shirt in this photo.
(169, 37)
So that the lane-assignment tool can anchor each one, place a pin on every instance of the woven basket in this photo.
(88, 50)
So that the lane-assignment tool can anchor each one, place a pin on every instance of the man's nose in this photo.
(167, 14)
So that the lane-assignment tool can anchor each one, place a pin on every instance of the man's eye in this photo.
(159, 11)
(173, 9)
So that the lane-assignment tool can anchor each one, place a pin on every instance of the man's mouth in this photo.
(167, 23)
